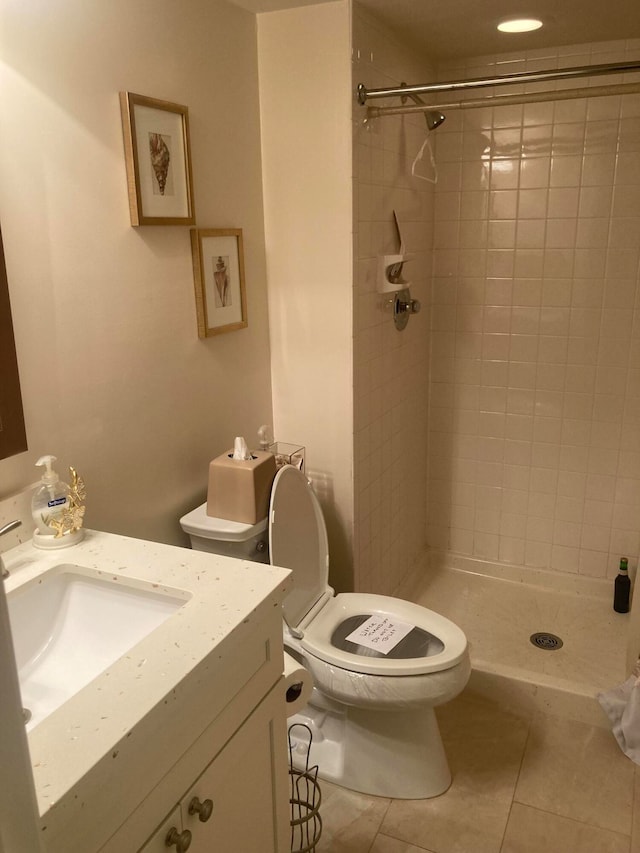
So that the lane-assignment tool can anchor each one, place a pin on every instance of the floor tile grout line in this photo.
(574, 819)
(401, 840)
(379, 825)
(515, 785)
(389, 834)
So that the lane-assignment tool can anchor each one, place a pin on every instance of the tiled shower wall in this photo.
(534, 424)
(391, 368)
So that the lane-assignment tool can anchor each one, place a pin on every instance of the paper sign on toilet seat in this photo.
(380, 633)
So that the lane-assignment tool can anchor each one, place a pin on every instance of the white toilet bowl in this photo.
(371, 713)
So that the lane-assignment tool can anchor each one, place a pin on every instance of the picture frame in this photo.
(158, 161)
(218, 274)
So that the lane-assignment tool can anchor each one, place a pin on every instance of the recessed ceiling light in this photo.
(519, 25)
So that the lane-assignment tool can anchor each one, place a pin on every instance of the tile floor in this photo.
(539, 785)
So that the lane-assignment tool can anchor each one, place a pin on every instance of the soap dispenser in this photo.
(50, 504)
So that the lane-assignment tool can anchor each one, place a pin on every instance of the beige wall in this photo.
(115, 379)
(535, 379)
(304, 57)
(391, 367)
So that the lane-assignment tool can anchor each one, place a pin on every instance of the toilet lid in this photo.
(298, 541)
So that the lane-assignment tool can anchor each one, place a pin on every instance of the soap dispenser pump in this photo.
(48, 506)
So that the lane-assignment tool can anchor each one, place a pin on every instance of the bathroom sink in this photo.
(68, 626)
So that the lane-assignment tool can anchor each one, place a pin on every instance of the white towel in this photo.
(622, 706)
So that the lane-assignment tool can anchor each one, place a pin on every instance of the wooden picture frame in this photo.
(158, 161)
(218, 274)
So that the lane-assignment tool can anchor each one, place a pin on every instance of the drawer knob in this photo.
(203, 810)
(180, 840)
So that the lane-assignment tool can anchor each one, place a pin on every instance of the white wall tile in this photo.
(532, 236)
(546, 280)
(391, 409)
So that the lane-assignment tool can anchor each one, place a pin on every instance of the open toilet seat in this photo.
(298, 541)
(388, 692)
(445, 649)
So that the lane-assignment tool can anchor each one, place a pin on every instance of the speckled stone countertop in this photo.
(227, 598)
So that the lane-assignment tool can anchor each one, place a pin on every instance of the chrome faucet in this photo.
(7, 529)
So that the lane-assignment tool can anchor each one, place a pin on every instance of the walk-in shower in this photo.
(534, 272)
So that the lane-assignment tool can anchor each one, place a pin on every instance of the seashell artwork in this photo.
(221, 278)
(160, 160)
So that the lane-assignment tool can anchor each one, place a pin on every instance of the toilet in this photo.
(371, 714)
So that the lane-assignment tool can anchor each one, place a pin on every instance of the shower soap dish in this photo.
(390, 266)
(390, 273)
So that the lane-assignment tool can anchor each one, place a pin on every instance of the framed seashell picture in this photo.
(158, 161)
(218, 276)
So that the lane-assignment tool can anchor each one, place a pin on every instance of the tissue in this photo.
(240, 449)
(298, 685)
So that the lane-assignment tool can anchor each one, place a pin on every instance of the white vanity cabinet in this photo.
(238, 805)
(238, 762)
(194, 709)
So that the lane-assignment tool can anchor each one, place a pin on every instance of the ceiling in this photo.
(453, 29)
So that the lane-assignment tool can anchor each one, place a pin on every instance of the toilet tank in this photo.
(229, 538)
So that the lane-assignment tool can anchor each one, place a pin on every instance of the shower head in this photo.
(434, 119)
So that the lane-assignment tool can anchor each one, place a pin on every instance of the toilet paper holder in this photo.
(304, 793)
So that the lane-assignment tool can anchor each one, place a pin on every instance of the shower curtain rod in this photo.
(364, 94)
(505, 100)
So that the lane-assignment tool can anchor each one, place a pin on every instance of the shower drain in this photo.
(544, 640)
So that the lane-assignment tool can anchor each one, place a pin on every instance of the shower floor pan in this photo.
(499, 607)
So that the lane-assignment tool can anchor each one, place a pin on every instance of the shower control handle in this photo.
(410, 306)
(403, 307)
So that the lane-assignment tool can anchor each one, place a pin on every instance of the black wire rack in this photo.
(304, 795)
